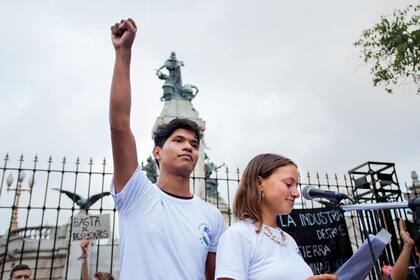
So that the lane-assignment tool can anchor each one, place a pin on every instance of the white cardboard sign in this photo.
(93, 226)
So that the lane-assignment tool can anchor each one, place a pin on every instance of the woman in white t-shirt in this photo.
(254, 247)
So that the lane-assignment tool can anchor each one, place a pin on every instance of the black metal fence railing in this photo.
(35, 214)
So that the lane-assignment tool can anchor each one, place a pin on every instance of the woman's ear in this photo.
(260, 184)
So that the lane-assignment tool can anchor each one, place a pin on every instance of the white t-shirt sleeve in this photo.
(136, 190)
(234, 253)
(219, 228)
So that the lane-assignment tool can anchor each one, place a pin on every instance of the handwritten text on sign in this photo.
(93, 226)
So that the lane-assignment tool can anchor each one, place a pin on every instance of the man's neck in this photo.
(174, 184)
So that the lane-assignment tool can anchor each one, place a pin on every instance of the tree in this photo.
(392, 46)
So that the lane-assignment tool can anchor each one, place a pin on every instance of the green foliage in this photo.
(392, 46)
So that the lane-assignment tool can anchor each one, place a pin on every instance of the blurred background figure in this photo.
(84, 245)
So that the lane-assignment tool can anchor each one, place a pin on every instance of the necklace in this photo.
(267, 231)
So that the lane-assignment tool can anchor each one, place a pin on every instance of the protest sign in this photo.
(321, 235)
(93, 226)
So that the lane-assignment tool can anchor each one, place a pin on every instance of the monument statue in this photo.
(211, 183)
(151, 169)
(173, 88)
(83, 203)
(415, 178)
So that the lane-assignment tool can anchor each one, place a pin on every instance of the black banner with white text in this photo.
(321, 235)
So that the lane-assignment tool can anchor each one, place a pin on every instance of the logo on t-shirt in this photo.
(205, 234)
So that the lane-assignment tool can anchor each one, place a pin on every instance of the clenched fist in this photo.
(84, 245)
(123, 34)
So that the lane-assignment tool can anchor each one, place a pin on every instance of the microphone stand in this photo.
(372, 253)
(336, 203)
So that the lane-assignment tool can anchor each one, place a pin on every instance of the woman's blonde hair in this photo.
(248, 199)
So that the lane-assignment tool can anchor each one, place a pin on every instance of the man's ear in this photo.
(156, 152)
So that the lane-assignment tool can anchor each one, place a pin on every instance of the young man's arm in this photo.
(123, 144)
(210, 265)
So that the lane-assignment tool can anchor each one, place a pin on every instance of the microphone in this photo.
(310, 193)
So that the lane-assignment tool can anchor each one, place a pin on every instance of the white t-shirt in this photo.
(245, 254)
(163, 237)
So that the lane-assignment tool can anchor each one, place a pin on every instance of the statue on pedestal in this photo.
(415, 178)
(211, 183)
(173, 88)
(151, 169)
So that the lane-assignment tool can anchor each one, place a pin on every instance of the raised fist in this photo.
(123, 34)
(84, 245)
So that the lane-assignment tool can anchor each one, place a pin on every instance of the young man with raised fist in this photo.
(166, 232)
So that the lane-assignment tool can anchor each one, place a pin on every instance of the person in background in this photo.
(401, 269)
(20, 272)
(84, 245)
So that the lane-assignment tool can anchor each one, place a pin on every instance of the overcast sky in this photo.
(274, 76)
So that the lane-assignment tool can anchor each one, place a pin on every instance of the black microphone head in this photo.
(305, 192)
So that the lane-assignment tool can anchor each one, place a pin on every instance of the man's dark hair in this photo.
(19, 267)
(163, 132)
